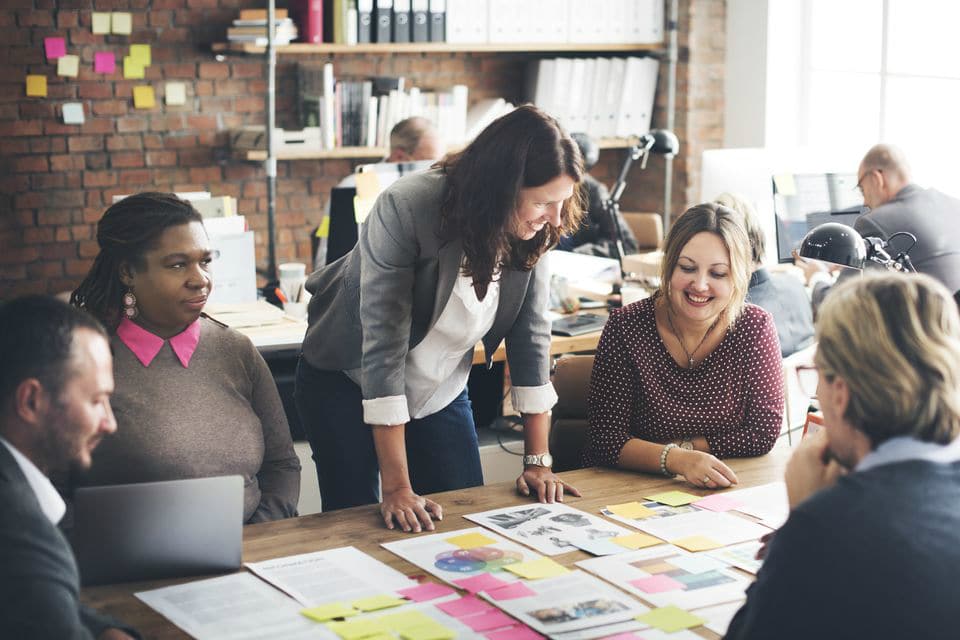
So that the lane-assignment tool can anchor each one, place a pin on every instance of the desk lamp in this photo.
(839, 244)
(659, 141)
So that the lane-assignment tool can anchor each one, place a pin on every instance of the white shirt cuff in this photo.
(533, 399)
(388, 410)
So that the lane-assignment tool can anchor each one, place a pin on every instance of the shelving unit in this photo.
(297, 48)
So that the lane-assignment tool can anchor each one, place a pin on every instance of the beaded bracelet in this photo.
(663, 458)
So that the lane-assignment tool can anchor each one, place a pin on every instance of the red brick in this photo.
(38, 110)
(249, 104)
(126, 160)
(169, 4)
(214, 70)
(161, 158)
(135, 176)
(62, 234)
(78, 268)
(43, 181)
(130, 124)
(21, 128)
(29, 164)
(195, 157)
(203, 123)
(123, 143)
(182, 70)
(95, 161)
(21, 255)
(85, 143)
(38, 235)
(35, 18)
(206, 174)
(203, 88)
(173, 141)
(110, 107)
(99, 178)
(88, 248)
(81, 232)
(66, 162)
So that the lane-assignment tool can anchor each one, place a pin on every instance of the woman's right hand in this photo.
(405, 509)
(700, 469)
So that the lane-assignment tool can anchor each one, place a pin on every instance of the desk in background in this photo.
(363, 528)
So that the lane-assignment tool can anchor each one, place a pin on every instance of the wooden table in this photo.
(363, 528)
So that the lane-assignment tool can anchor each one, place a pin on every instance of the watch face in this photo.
(687, 444)
(546, 460)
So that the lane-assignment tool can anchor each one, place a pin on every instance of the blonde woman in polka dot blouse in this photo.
(692, 374)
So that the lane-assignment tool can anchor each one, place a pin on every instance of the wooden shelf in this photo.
(360, 153)
(298, 48)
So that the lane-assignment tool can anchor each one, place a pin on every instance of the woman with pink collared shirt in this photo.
(193, 398)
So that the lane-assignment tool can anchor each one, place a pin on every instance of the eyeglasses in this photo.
(808, 375)
(859, 186)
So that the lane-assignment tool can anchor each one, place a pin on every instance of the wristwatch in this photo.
(538, 459)
(686, 444)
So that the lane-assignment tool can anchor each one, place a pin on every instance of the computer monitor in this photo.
(803, 201)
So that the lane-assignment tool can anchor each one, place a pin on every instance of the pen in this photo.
(299, 293)
(279, 293)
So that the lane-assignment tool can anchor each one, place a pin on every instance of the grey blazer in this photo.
(373, 305)
(934, 218)
(39, 584)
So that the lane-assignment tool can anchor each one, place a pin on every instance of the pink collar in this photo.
(146, 345)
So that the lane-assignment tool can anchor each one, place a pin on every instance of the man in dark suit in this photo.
(898, 205)
(55, 387)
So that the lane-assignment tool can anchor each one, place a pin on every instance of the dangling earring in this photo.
(130, 310)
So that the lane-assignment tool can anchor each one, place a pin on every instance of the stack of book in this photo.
(251, 26)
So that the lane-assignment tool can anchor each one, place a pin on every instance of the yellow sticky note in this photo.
(435, 631)
(400, 622)
(671, 619)
(121, 22)
(375, 603)
(636, 541)
(696, 543)
(785, 184)
(356, 629)
(323, 229)
(470, 540)
(633, 510)
(68, 66)
(540, 568)
(37, 86)
(176, 93)
(132, 70)
(673, 498)
(143, 97)
(101, 22)
(141, 53)
(329, 611)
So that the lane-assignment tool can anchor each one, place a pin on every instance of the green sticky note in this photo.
(671, 619)
(357, 629)
(121, 23)
(400, 622)
(132, 70)
(470, 540)
(141, 53)
(375, 603)
(636, 541)
(329, 611)
(696, 543)
(633, 510)
(535, 569)
(435, 631)
(101, 22)
(673, 498)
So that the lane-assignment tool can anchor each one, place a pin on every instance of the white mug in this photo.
(292, 277)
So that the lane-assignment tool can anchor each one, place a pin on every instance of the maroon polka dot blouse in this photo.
(734, 397)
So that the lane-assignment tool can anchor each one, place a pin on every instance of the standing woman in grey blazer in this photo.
(445, 259)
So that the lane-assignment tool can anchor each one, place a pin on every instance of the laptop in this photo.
(578, 324)
(155, 530)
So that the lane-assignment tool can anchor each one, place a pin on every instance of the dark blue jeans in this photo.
(441, 448)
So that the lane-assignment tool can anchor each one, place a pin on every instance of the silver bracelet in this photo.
(663, 458)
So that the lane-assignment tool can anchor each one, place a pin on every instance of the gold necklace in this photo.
(676, 335)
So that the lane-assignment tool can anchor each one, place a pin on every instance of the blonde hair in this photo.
(758, 242)
(895, 341)
(727, 225)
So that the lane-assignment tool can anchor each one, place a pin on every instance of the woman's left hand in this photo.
(545, 484)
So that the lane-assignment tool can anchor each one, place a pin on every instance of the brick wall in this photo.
(56, 180)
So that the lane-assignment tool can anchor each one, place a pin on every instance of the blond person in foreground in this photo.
(692, 374)
(872, 544)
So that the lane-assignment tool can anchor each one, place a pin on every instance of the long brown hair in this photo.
(525, 148)
(127, 230)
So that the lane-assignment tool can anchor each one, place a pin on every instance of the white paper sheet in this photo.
(547, 527)
(235, 607)
(718, 618)
(768, 503)
(704, 589)
(449, 562)
(742, 556)
(722, 528)
(343, 574)
(570, 602)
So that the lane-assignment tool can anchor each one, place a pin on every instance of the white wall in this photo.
(745, 92)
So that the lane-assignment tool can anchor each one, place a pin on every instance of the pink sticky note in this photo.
(104, 62)
(465, 606)
(482, 582)
(488, 621)
(426, 591)
(718, 502)
(55, 48)
(657, 584)
(512, 591)
(518, 632)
